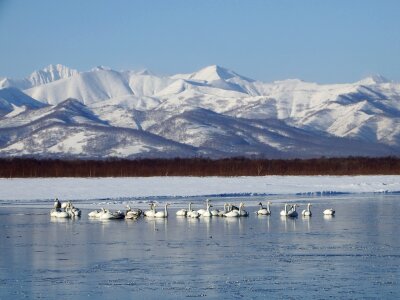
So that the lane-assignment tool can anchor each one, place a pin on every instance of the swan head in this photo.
(269, 202)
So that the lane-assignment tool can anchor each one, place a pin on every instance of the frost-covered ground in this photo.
(144, 187)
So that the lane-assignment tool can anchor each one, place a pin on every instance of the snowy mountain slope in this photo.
(13, 99)
(270, 138)
(46, 75)
(70, 129)
(212, 112)
(88, 87)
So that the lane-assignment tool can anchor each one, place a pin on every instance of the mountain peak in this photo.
(51, 73)
(374, 79)
(215, 72)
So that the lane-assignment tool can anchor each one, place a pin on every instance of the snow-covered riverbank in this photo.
(114, 188)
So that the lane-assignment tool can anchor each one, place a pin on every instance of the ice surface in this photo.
(136, 187)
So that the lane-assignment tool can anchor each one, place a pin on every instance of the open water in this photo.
(353, 255)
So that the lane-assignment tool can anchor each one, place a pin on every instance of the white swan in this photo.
(96, 213)
(264, 211)
(152, 211)
(233, 213)
(132, 214)
(108, 215)
(202, 210)
(242, 212)
(329, 212)
(59, 214)
(182, 212)
(290, 212)
(207, 213)
(192, 213)
(307, 212)
(162, 214)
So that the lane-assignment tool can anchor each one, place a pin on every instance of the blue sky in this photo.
(315, 40)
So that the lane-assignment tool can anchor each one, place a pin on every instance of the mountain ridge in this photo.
(213, 112)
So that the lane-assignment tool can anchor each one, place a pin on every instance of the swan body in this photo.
(59, 214)
(207, 213)
(108, 215)
(96, 213)
(242, 212)
(307, 212)
(151, 212)
(132, 214)
(284, 211)
(74, 212)
(232, 214)
(192, 213)
(182, 212)
(264, 211)
(162, 214)
(215, 212)
(202, 210)
(292, 213)
(329, 212)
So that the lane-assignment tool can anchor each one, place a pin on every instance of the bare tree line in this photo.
(26, 167)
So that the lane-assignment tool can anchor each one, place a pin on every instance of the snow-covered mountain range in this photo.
(214, 112)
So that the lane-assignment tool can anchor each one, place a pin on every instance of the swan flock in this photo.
(68, 210)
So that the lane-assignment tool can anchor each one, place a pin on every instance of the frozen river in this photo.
(355, 254)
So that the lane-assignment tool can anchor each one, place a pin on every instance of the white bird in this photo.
(202, 210)
(207, 213)
(329, 212)
(182, 212)
(162, 214)
(108, 215)
(242, 212)
(214, 212)
(59, 214)
(152, 211)
(192, 213)
(96, 213)
(264, 211)
(290, 212)
(307, 212)
(233, 213)
(284, 211)
(132, 214)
